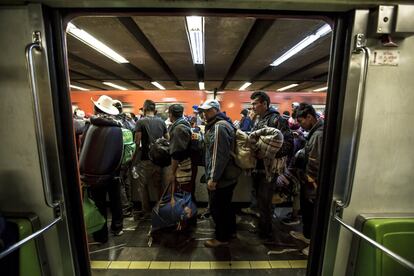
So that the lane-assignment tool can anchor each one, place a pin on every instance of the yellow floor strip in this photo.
(279, 264)
(139, 265)
(240, 265)
(180, 265)
(299, 264)
(159, 265)
(119, 265)
(100, 264)
(220, 265)
(259, 264)
(200, 265)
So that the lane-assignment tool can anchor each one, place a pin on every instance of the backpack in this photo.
(129, 146)
(159, 152)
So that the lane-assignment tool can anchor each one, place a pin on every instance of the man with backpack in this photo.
(129, 147)
(147, 130)
(269, 117)
(180, 149)
(221, 171)
(99, 164)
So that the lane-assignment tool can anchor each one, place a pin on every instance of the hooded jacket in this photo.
(219, 142)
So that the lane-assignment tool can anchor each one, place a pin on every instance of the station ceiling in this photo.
(237, 50)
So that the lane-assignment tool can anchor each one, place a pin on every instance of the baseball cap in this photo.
(209, 104)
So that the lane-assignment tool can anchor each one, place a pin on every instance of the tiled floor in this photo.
(183, 253)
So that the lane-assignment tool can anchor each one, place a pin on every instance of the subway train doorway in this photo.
(188, 60)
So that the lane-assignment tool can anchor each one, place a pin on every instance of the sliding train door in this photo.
(374, 172)
(31, 177)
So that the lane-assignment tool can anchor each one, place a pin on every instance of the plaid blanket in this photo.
(266, 142)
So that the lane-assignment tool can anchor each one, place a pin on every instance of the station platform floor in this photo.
(171, 252)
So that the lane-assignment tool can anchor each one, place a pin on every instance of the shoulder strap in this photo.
(146, 126)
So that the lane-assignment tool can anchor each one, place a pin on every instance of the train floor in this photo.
(171, 252)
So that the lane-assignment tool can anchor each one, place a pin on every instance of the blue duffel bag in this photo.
(165, 214)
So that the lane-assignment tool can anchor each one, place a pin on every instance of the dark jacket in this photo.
(272, 118)
(219, 143)
(313, 152)
(246, 124)
(180, 138)
(102, 147)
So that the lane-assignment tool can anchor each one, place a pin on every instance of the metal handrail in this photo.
(28, 238)
(41, 145)
(357, 127)
(393, 255)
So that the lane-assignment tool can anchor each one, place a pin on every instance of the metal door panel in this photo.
(21, 185)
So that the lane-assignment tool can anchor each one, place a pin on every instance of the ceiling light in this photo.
(325, 29)
(288, 87)
(78, 87)
(195, 33)
(114, 85)
(91, 41)
(201, 85)
(245, 85)
(321, 89)
(159, 86)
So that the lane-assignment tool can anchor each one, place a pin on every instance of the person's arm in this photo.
(314, 159)
(221, 152)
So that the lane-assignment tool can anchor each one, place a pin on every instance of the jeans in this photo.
(264, 204)
(98, 194)
(223, 213)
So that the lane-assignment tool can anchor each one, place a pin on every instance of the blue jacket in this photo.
(219, 143)
(246, 124)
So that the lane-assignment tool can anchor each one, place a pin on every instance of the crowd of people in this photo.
(289, 166)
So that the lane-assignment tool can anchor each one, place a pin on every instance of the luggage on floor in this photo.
(168, 213)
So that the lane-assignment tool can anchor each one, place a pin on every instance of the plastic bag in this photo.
(93, 218)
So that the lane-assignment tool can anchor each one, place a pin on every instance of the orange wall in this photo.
(137, 98)
(231, 101)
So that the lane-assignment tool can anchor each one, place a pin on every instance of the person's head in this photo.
(244, 112)
(78, 113)
(287, 113)
(105, 105)
(209, 109)
(306, 116)
(118, 105)
(149, 107)
(260, 102)
(175, 111)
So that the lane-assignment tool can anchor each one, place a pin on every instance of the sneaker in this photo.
(215, 243)
(117, 233)
(250, 211)
(305, 251)
(291, 221)
(299, 236)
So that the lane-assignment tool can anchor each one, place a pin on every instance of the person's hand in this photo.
(211, 185)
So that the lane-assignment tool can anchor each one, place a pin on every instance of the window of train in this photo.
(190, 59)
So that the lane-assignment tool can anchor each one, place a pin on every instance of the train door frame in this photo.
(55, 19)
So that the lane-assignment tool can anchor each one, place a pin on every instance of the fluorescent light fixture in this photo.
(321, 89)
(195, 33)
(114, 85)
(201, 85)
(244, 86)
(325, 29)
(288, 87)
(91, 41)
(78, 87)
(159, 86)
